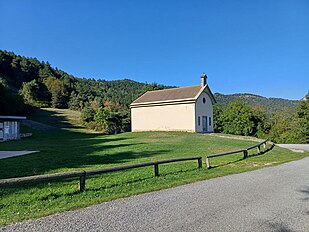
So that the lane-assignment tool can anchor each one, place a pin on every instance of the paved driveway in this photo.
(295, 147)
(8, 154)
(269, 199)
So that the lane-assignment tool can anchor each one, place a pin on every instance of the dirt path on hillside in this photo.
(37, 125)
(237, 137)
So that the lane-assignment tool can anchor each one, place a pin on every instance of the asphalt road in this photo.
(295, 147)
(269, 199)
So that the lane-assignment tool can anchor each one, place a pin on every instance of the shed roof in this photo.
(12, 117)
(189, 92)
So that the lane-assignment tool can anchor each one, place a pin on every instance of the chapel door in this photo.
(204, 123)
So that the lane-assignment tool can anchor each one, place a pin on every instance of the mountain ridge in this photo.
(271, 105)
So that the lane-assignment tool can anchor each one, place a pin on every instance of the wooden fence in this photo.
(82, 174)
(245, 151)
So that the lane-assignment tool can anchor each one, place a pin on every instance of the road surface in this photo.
(269, 199)
(295, 147)
(8, 154)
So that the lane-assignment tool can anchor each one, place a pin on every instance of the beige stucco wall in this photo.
(204, 109)
(179, 117)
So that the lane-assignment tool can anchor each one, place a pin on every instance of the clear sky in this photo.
(259, 47)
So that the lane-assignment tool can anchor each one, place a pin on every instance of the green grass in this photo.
(57, 117)
(76, 149)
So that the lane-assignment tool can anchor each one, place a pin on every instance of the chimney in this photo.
(203, 80)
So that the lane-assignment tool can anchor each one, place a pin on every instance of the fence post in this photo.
(245, 154)
(207, 162)
(199, 160)
(82, 182)
(156, 169)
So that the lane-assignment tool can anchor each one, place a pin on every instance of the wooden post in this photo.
(82, 182)
(199, 162)
(207, 162)
(258, 149)
(156, 169)
(245, 154)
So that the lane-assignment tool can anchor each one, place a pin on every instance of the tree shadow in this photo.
(305, 191)
(50, 196)
(225, 163)
(54, 119)
(66, 149)
(262, 152)
(277, 227)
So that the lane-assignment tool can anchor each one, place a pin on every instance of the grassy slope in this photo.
(57, 117)
(75, 149)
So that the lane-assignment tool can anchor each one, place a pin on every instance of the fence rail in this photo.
(82, 174)
(245, 151)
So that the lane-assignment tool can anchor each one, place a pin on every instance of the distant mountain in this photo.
(271, 105)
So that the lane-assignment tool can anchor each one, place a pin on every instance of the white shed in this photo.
(9, 127)
(177, 109)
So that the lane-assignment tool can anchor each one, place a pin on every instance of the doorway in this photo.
(204, 124)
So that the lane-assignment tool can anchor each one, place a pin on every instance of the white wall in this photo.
(180, 117)
(1, 130)
(204, 109)
(10, 130)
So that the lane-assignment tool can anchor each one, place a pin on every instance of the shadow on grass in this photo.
(64, 149)
(241, 159)
(226, 163)
(263, 152)
(102, 187)
(52, 118)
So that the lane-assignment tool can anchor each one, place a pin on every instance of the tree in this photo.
(10, 102)
(261, 121)
(237, 118)
(59, 93)
(34, 94)
(303, 118)
(87, 114)
(102, 119)
(218, 124)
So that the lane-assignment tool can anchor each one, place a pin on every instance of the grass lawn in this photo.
(76, 149)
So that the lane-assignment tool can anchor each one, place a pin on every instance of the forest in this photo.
(27, 84)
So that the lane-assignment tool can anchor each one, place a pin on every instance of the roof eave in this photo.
(13, 117)
(212, 97)
(167, 102)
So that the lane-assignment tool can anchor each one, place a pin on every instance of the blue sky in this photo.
(259, 47)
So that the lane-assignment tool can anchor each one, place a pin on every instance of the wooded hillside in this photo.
(42, 85)
(27, 84)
